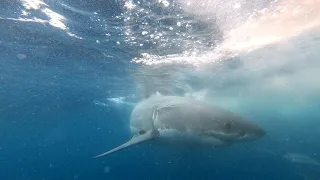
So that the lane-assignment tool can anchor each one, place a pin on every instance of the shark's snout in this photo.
(260, 132)
(254, 134)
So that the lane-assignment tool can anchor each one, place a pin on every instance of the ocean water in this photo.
(72, 71)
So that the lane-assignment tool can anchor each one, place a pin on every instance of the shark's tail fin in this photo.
(135, 140)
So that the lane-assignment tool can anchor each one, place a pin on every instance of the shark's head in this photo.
(242, 130)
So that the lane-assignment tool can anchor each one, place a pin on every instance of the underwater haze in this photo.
(71, 72)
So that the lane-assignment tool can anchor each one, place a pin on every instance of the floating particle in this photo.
(106, 169)
(21, 56)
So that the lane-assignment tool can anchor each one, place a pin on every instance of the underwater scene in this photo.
(159, 89)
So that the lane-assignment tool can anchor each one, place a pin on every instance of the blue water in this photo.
(56, 108)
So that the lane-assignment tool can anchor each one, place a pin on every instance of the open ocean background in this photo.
(71, 72)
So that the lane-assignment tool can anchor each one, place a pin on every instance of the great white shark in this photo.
(183, 120)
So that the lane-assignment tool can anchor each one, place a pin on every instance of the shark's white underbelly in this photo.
(175, 137)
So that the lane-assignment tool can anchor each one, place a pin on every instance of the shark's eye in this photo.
(228, 126)
(142, 132)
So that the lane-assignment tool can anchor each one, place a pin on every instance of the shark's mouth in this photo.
(228, 136)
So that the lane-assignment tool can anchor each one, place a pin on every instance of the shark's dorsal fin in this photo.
(158, 93)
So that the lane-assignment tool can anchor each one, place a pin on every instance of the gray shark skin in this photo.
(181, 121)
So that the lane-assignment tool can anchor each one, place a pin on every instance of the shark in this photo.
(182, 121)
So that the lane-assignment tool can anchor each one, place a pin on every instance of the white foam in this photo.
(55, 19)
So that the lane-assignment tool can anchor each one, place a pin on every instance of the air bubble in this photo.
(106, 169)
(165, 3)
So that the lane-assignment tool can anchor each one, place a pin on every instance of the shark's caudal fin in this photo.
(135, 140)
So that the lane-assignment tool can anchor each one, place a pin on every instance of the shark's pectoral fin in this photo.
(148, 135)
